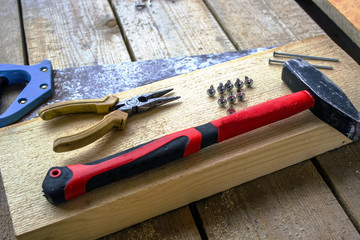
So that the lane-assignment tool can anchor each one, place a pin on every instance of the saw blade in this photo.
(98, 81)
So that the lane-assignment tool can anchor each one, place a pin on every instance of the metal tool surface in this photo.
(116, 112)
(98, 81)
(313, 90)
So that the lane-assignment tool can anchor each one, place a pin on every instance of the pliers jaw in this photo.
(144, 102)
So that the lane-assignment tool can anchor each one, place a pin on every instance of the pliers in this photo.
(116, 112)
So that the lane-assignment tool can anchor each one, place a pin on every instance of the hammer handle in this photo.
(65, 183)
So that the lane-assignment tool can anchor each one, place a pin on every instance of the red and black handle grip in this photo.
(64, 183)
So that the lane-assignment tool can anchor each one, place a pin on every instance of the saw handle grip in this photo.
(64, 183)
(116, 119)
(39, 87)
(99, 106)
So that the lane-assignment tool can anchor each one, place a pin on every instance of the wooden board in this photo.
(218, 168)
(171, 29)
(345, 13)
(178, 224)
(251, 24)
(341, 169)
(11, 53)
(11, 44)
(72, 33)
(265, 209)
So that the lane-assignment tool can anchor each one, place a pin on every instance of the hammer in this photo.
(312, 90)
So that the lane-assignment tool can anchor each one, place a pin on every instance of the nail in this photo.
(316, 66)
(306, 56)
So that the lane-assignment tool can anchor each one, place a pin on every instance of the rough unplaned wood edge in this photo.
(252, 24)
(72, 33)
(337, 14)
(310, 42)
(293, 203)
(171, 29)
(341, 169)
(11, 53)
(178, 224)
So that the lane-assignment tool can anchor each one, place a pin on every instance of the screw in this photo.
(229, 86)
(238, 83)
(221, 88)
(231, 98)
(222, 101)
(248, 81)
(43, 86)
(22, 100)
(211, 91)
(306, 56)
(230, 110)
(240, 95)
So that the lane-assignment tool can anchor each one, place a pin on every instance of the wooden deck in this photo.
(315, 199)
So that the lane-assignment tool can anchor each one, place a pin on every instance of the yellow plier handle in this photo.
(115, 119)
(99, 106)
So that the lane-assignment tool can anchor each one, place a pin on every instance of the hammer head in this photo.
(331, 104)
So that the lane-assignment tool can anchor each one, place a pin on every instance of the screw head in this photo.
(238, 83)
(22, 100)
(43, 86)
(221, 88)
(211, 91)
(230, 110)
(229, 86)
(231, 98)
(248, 81)
(222, 101)
(240, 96)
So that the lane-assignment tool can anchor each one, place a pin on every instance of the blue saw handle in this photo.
(39, 87)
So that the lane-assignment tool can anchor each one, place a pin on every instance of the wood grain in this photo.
(171, 29)
(11, 53)
(178, 224)
(11, 46)
(341, 168)
(72, 33)
(218, 168)
(11, 40)
(251, 24)
(345, 14)
(293, 203)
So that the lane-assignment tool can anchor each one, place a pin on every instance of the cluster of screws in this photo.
(228, 87)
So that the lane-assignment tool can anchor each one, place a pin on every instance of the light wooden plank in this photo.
(82, 33)
(345, 14)
(177, 224)
(342, 169)
(294, 203)
(255, 23)
(11, 53)
(171, 29)
(219, 167)
(72, 33)
(7, 230)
